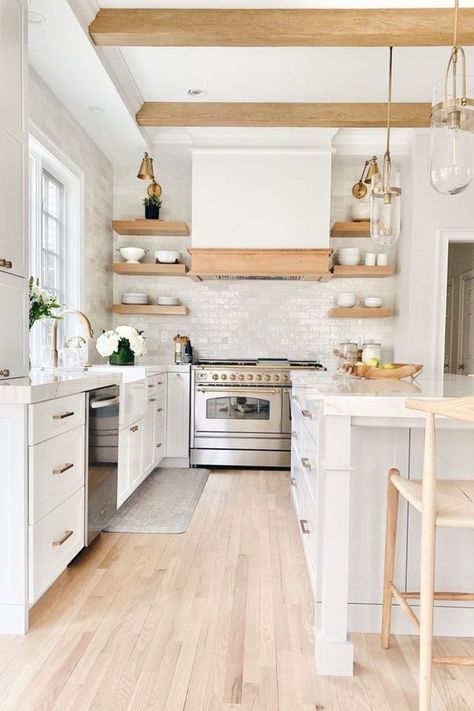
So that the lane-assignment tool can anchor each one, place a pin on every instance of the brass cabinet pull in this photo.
(305, 462)
(306, 413)
(304, 526)
(61, 470)
(151, 385)
(63, 416)
(63, 539)
(159, 409)
(5, 372)
(134, 428)
(159, 445)
(152, 399)
(160, 382)
(6, 263)
(293, 481)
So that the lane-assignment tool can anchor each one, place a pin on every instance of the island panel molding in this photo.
(285, 114)
(150, 228)
(280, 27)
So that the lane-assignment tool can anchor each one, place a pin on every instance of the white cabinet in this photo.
(155, 424)
(149, 436)
(177, 415)
(130, 469)
(13, 139)
(13, 317)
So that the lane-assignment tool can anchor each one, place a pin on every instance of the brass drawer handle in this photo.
(304, 526)
(6, 263)
(159, 409)
(67, 534)
(63, 416)
(305, 462)
(5, 372)
(159, 445)
(160, 382)
(306, 413)
(61, 470)
(151, 385)
(293, 481)
(134, 428)
(152, 399)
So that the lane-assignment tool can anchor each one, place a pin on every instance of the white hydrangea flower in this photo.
(126, 332)
(107, 343)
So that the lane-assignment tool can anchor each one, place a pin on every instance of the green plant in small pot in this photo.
(152, 207)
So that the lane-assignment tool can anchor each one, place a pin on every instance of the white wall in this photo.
(50, 116)
(238, 318)
(427, 212)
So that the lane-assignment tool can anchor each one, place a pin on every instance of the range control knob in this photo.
(215, 376)
(276, 378)
(241, 376)
(258, 377)
(250, 376)
(223, 376)
(267, 377)
(232, 376)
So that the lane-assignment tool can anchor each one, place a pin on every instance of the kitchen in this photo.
(260, 430)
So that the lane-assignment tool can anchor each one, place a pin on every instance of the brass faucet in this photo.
(54, 331)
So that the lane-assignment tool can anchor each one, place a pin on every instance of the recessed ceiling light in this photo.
(96, 109)
(196, 92)
(35, 18)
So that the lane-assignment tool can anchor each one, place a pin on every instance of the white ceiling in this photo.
(64, 57)
(61, 52)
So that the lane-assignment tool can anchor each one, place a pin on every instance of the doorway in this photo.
(459, 331)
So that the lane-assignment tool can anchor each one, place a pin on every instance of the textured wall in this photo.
(54, 120)
(226, 319)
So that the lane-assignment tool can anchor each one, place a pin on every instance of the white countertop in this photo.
(48, 384)
(345, 394)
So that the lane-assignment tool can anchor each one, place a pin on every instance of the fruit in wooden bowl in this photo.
(386, 371)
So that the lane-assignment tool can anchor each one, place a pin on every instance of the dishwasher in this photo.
(102, 437)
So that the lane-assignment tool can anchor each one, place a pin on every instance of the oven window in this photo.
(237, 408)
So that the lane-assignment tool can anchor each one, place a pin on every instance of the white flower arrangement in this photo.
(109, 342)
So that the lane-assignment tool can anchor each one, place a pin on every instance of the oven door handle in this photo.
(251, 390)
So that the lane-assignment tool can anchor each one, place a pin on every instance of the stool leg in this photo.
(427, 566)
(390, 546)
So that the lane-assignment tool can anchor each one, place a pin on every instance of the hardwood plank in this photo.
(350, 229)
(280, 27)
(359, 312)
(362, 271)
(274, 114)
(149, 269)
(150, 228)
(150, 309)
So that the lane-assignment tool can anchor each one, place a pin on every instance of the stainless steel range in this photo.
(241, 412)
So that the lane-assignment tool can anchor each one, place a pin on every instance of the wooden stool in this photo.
(441, 503)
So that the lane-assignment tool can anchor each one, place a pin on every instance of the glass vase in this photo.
(123, 355)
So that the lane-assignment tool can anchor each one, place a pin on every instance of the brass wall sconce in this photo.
(370, 169)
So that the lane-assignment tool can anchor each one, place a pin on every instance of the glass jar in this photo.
(349, 351)
(371, 350)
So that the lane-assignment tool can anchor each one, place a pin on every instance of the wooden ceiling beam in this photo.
(338, 115)
(281, 27)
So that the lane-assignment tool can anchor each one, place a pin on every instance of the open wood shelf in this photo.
(150, 228)
(359, 312)
(350, 229)
(150, 309)
(149, 269)
(362, 271)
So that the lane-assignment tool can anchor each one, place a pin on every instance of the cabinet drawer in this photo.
(53, 417)
(156, 383)
(159, 445)
(56, 471)
(307, 522)
(53, 543)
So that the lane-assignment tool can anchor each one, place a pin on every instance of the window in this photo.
(54, 231)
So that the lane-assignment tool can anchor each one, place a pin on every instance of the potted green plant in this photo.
(152, 207)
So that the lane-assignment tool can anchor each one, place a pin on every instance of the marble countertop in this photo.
(48, 384)
(345, 394)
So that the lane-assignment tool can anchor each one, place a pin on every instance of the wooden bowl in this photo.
(401, 370)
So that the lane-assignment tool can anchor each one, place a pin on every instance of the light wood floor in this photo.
(218, 618)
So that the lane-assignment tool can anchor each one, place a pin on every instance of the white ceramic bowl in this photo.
(132, 255)
(167, 257)
(134, 298)
(348, 256)
(167, 300)
(373, 302)
(346, 300)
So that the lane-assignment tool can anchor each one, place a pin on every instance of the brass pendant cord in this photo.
(387, 159)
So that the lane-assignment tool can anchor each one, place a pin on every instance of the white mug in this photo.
(382, 259)
(370, 258)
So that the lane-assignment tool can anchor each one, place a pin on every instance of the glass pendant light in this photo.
(146, 172)
(452, 125)
(385, 196)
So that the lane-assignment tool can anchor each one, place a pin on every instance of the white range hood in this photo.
(264, 192)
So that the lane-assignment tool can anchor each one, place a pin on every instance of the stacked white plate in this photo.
(167, 301)
(134, 297)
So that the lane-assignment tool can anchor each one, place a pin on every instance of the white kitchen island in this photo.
(346, 434)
